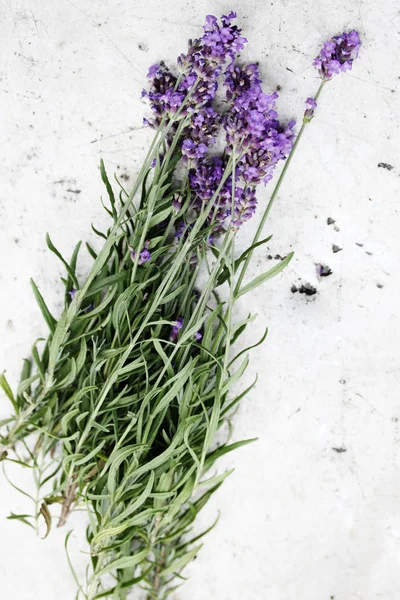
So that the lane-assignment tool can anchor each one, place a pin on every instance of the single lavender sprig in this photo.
(337, 55)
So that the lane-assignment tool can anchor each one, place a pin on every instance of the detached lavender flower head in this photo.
(338, 54)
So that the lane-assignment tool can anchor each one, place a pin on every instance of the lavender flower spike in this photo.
(338, 54)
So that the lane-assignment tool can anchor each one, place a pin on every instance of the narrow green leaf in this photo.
(225, 449)
(70, 272)
(265, 276)
(224, 276)
(48, 317)
(125, 584)
(22, 519)
(7, 390)
(91, 454)
(108, 187)
(160, 217)
(181, 562)
(125, 562)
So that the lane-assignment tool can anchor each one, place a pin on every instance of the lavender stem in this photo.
(273, 196)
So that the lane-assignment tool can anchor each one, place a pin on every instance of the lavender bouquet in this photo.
(119, 409)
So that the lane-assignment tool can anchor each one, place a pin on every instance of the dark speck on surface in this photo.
(339, 450)
(74, 191)
(336, 248)
(379, 285)
(124, 176)
(360, 245)
(386, 166)
(323, 270)
(330, 221)
(395, 419)
(342, 381)
(305, 288)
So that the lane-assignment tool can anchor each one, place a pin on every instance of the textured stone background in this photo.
(300, 521)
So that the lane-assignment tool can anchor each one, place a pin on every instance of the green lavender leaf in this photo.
(8, 392)
(48, 317)
(265, 276)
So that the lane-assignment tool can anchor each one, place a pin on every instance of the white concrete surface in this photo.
(299, 520)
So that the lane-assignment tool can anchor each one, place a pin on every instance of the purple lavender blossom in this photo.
(72, 293)
(199, 70)
(198, 336)
(144, 256)
(162, 95)
(201, 132)
(240, 79)
(337, 54)
(191, 150)
(311, 105)
(245, 206)
(176, 328)
(205, 179)
(219, 44)
(253, 133)
(252, 128)
(259, 162)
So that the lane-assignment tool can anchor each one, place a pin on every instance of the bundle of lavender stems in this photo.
(119, 408)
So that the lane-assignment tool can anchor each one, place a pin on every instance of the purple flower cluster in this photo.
(201, 134)
(205, 179)
(175, 329)
(240, 79)
(144, 255)
(195, 88)
(219, 44)
(255, 138)
(253, 131)
(162, 95)
(245, 206)
(338, 54)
